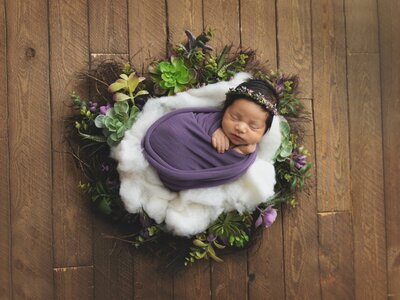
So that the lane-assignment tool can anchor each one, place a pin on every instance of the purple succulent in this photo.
(208, 48)
(267, 216)
(104, 108)
(191, 38)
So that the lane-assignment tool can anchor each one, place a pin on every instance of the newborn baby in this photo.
(205, 147)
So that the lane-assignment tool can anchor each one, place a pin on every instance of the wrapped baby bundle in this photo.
(202, 183)
(178, 146)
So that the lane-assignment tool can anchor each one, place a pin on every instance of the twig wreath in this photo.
(100, 124)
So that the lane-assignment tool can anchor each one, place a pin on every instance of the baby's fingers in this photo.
(214, 142)
(221, 146)
(226, 140)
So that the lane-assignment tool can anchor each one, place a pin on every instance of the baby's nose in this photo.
(241, 128)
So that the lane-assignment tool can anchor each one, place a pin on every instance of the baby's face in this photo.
(244, 122)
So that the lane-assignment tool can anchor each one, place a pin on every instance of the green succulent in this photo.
(172, 76)
(116, 121)
(286, 147)
(126, 85)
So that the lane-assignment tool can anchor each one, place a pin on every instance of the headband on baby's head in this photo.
(256, 96)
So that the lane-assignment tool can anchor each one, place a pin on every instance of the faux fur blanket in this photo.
(178, 146)
(189, 212)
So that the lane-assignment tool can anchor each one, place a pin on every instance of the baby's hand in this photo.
(220, 141)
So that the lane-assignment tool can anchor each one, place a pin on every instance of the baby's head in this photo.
(248, 111)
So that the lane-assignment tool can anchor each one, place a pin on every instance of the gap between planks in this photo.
(94, 55)
(357, 53)
(328, 213)
(65, 269)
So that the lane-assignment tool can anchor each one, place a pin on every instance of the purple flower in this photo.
(211, 237)
(104, 108)
(279, 85)
(92, 106)
(267, 216)
(300, 160)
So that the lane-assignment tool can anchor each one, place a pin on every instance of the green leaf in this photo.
(140, 93)
(124, 77)
(95, 138)
(285, 128)
(99, 121)
(199, 243)
(133, 82)
(104, 206)
(120, 97)
(117, 85)
(304, 169)
(121, 107)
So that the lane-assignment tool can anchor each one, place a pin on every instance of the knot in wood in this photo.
(30, 52)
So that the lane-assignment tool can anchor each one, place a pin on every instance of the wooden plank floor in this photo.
(342, 242)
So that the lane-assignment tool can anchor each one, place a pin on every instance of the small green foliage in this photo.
(196, 48)
(85, 123)
(116, 121)
(219, 68)
(203, 249)
(232, 227)
(285, 87)
(124, 87)
(173, 76)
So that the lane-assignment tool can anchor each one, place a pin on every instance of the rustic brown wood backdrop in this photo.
(343, 242)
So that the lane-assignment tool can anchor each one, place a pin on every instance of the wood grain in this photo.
(330, 106)
(223, 15)
(258, 24)
(362, 26)
(265, 260)
(113, 260)
(71, 209)
(184, 15)
(30, 149)
(191, 282)
(5, 228)
(147, 42)
(229, 279)
(300, 234)
(108, 25)
(390, 89)
(74, 283)
(147, 32)
(336, 255)
(367, 176)
(294, 42)
(265, 265)
(150, 281)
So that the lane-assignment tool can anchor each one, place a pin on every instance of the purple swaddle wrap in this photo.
(178, 146)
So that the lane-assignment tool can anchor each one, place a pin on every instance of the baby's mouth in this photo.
(236, 137)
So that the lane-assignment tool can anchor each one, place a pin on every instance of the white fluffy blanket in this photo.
(189, 212)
